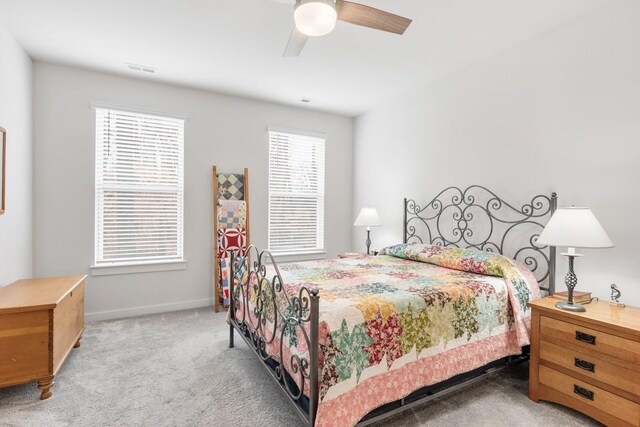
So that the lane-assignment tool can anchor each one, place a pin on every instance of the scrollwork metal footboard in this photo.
(263, 311)
(476, 217)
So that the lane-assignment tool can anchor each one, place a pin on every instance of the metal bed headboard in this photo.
(476, 217)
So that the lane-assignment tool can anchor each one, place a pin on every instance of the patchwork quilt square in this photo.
(231, 239)
(231, 186)
(232, 214)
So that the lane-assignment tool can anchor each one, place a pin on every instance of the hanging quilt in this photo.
(231, 239)
(230, 186)
(224, 280)
(224, 272)
(232, 213)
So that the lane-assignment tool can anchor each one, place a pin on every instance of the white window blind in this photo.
(296, 193)
(139, 188)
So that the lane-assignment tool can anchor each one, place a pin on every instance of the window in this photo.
(296, 193)
(139, 188)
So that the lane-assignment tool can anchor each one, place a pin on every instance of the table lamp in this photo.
(368, 217)
(574, 228)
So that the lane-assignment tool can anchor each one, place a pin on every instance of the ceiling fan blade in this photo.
(297, 40)
(366, 16)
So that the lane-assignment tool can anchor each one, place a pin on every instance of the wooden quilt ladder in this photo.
(230, 227)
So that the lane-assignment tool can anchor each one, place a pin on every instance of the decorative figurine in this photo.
(615, 296)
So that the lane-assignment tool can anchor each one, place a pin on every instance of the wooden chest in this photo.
(587, 361)
(41, 320)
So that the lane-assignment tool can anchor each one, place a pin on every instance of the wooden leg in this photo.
(77, 344)
(45, 386)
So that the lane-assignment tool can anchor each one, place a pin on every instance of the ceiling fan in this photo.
(316, 18)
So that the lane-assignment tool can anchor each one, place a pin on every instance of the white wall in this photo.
(229, 132)
(16, 242)
(560, 112)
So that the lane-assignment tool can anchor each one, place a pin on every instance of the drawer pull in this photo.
(587, 394)
(589, 339)
(587, 366)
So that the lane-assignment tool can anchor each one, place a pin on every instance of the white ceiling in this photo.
(236, 46)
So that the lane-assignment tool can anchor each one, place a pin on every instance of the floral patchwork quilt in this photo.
(413, 316)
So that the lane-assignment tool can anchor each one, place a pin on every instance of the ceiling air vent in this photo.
(142, 68)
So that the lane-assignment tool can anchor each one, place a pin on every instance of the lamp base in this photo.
(576, 308)
(368, 240)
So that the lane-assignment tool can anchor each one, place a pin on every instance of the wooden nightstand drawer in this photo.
(616, 406)
(589, 340)
(591, 367)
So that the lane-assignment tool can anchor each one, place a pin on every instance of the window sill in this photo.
(111, 270)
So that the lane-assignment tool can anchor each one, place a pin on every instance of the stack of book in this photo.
(578, 296)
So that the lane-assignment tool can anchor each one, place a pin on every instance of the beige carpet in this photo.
(175, 369)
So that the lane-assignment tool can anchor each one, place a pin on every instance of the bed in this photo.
(352, 341)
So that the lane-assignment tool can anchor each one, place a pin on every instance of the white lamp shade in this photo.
(315, 17)
(574, 228)
(368, 217)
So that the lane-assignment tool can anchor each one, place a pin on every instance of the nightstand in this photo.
(350, 255)
(587, 361)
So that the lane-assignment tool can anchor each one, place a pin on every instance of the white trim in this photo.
(111, 270)
(149, 309)
(140, 110)
(299, 257)
(302, 253)
(284, 129)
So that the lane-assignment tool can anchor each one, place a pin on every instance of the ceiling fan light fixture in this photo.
(315, 17)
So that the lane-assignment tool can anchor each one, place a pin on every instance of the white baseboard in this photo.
(149, 309)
